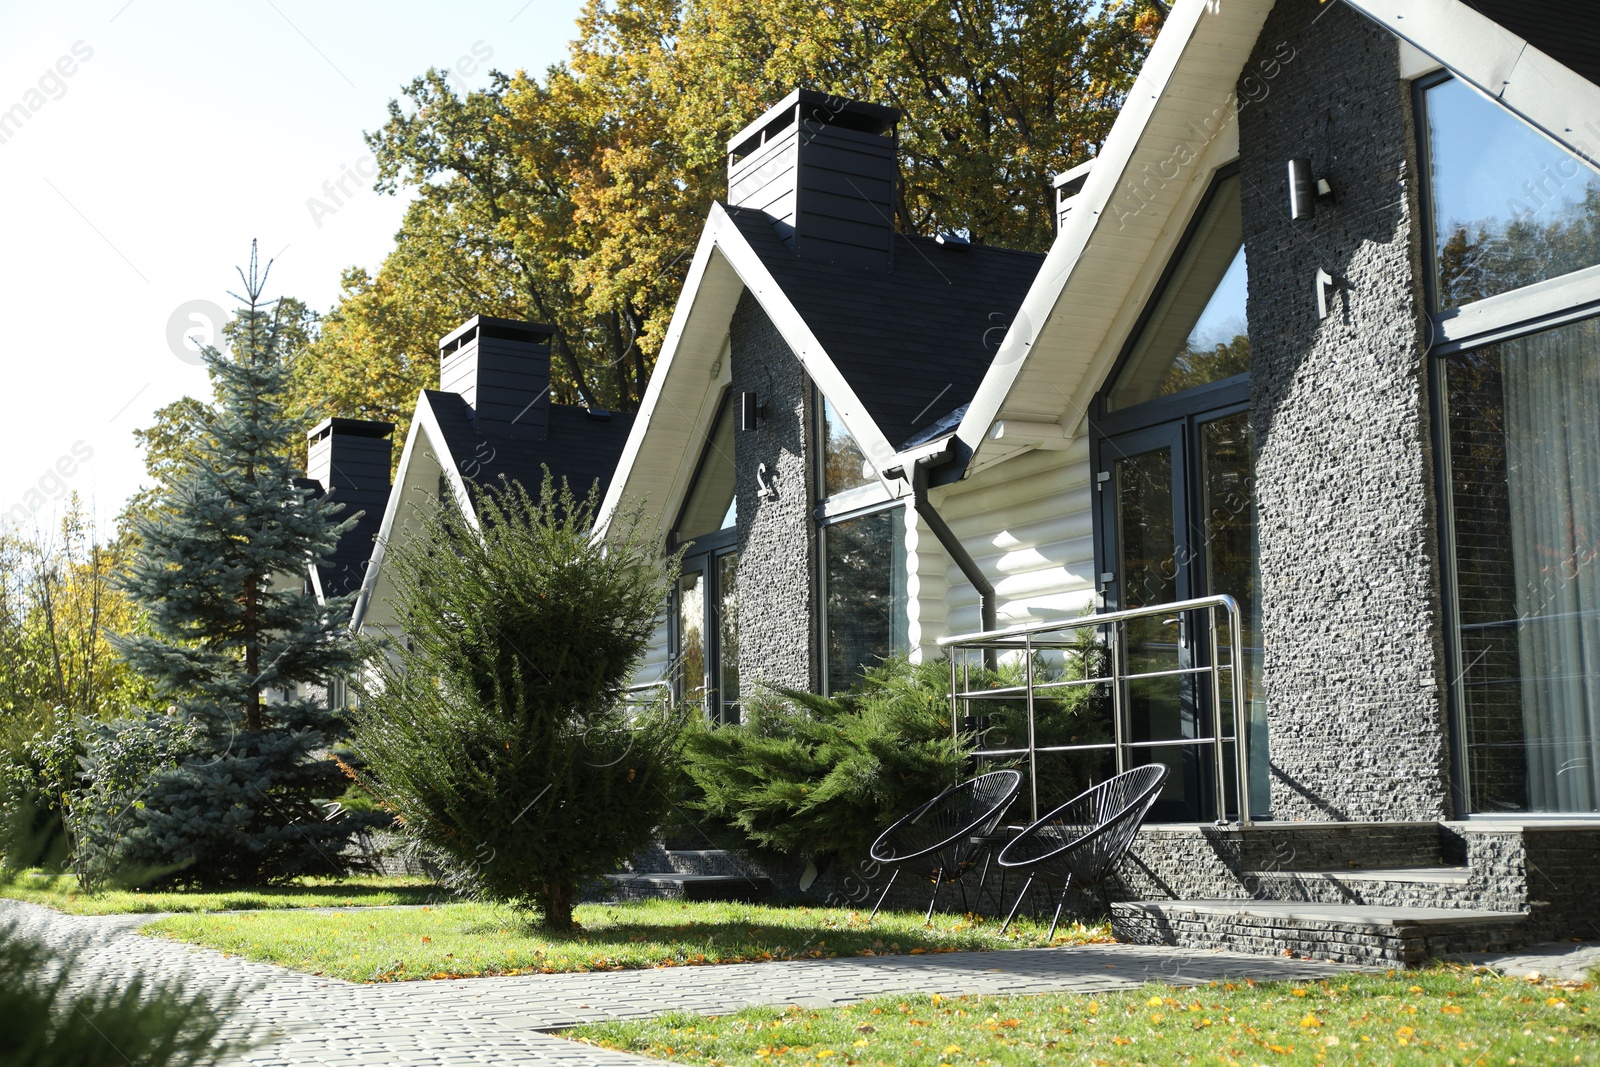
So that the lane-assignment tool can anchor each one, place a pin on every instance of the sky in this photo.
(143, 145)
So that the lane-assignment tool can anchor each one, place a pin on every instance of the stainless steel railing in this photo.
(1061, 635)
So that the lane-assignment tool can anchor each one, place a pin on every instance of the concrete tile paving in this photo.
(308, 1021)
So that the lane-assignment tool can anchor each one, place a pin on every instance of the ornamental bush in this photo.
(497, 730)
(821, 777)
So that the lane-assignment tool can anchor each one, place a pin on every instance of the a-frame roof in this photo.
(1181, 115)
(896, 352)
(445, 451)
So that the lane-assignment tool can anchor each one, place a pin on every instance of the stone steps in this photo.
(1342, 933)
(673, 885)
(1426, 887)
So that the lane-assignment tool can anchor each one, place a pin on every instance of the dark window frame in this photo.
(1436, 355)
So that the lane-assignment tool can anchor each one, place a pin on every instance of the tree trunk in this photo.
(558, 901)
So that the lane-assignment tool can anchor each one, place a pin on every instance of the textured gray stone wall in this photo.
(777, 537)
(1353, 669)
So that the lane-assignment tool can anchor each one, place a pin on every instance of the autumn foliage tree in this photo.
(577, 198)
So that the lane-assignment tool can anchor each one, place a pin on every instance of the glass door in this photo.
(1146, 516)
(726, 622)
(1178, 522)
(708, 634)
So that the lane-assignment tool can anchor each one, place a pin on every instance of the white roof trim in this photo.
(1562, 105)
(1199, 39)
(425, 429)
(702, 312)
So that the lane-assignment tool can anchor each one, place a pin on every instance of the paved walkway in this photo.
(323, 1021)
(1565, 961)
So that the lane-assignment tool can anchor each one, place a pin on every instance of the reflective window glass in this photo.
(1198, 330)
(865, 612)
(1524, 492)
(1509, 207)
(712, 503)
(844, 465)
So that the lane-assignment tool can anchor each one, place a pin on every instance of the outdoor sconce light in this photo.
(750, 411)
(1304, 190)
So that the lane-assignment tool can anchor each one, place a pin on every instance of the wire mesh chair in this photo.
(1085, 837)
(946, 834)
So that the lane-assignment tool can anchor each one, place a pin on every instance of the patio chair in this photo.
(946, 835)
(1083, 839)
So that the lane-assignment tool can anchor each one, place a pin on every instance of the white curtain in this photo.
(1552, 426)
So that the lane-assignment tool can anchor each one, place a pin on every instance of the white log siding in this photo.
(657, 662)
(1029, 524)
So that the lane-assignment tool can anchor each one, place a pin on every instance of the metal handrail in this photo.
(1030, 638)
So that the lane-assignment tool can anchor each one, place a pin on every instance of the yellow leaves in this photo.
(1155, 1002)
(1451, 1009)
(1310, 1022)
(950, 1050)
(1297, 992)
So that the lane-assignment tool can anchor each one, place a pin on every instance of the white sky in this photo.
(136, 184)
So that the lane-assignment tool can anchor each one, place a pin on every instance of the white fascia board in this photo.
(422, 436)
(1562, 105)
(723, 247)
(819, 366)
(1092, 210)
(667, 361)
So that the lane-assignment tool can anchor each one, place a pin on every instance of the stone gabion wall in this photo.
(777, 537)
(1353, 668)
(1563, 880)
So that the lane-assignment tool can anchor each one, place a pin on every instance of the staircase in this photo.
(1388, 894)
(658, 873)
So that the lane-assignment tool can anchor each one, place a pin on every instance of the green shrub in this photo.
(113, 847)
(37, 783)
(132, 1023)
(496, 730)
(824, 776)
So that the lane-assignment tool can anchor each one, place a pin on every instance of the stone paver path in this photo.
(1564, 961)
(323, 1021)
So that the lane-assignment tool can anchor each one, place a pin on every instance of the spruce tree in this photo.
(497, 731)
(238, 646)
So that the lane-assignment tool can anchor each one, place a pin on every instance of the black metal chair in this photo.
(1084, 838)
(946, 835)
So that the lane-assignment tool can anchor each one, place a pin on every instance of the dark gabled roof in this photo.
(913, 342)
(1567, 31)
(581, 446)
(341, 574)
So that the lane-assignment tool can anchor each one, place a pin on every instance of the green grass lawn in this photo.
(60, 891)
(1438, 1016)
(456, 940)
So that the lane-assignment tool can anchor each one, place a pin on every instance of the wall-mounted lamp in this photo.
(1304, 190)
(751, 411)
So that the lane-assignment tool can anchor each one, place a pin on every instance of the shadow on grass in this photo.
(784, 932)
(61, 891)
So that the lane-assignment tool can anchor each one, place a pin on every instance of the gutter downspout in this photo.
(958, 552)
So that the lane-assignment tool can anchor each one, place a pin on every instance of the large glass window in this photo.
(1197, 331)
(1509, 207)
(712, 504)
(844, 465)
(865, 594)
(1523, 419)
(707, 623)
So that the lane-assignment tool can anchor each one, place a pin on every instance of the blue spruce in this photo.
(239, 648)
